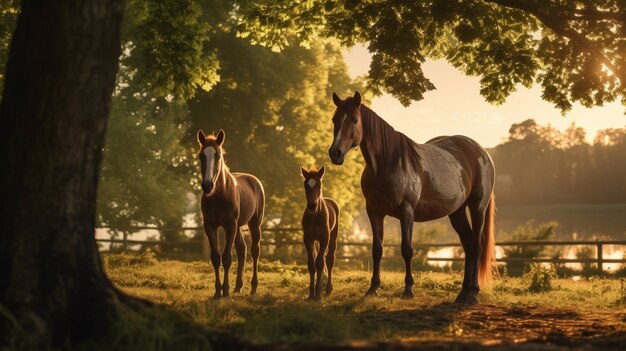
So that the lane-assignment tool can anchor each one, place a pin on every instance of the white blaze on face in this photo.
(338, 135)
(311, 183)
(209, 153)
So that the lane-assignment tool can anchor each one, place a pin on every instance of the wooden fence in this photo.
(282, 242)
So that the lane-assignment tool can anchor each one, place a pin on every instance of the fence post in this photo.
(599, 251)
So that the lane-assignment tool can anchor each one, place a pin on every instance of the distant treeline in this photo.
(540, 164)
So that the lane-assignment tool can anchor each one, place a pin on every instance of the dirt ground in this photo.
(496, 328)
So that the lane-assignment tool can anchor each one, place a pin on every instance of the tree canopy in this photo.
(274, 107)
(573, 49)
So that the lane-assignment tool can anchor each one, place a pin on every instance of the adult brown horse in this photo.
(420, 182)
(229, 200)
(320, 222)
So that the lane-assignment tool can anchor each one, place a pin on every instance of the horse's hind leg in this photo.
(240, 248)
(330, 259)
(406, 224)
(477, 213)
(255, 250)
(461, 225)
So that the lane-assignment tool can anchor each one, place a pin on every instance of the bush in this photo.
(527, 232)
(539, 278)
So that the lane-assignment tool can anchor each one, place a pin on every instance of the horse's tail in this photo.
(488, 255)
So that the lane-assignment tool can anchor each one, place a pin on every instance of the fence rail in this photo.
(599, 245)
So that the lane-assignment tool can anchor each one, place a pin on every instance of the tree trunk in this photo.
(59, 80)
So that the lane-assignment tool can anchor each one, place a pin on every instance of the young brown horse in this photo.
(420, 182)
(320, 222)
(230, 200)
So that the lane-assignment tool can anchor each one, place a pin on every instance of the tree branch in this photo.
(559, 25)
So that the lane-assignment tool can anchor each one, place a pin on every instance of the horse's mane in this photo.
(385, 143)
(312, 169)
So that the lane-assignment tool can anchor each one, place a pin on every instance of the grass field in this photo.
(587, 310)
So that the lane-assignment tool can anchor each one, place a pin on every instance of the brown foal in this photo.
(320, 222)
(229, 200)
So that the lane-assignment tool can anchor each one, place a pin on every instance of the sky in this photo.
(456, 107)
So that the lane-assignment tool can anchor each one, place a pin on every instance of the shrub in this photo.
(539, 278)
(527, 232)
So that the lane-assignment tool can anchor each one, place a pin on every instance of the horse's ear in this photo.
(220, 137)
(357, 98)
(303, 171)
(320, 172)
(336, 99)
(201, 137)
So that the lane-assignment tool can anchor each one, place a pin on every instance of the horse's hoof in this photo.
(371, 292)
(328, 292)
(461, 297)
(237, 291)
(217, 296)
(408, 294)
(471, 300)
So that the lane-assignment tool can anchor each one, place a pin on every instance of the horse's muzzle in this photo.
(207, 186)
(336, 156)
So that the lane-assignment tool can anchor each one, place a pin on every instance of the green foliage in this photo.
(274, 107)
(167, 40)
(586, 252)
(527, 232)
(570, 49)
(539, 278)
(276, 111)
(9, 10)
(145, 173)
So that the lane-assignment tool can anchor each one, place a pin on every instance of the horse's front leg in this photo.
(310, 252)
(406, 224)
(376, 221)
(211, 233)
(320, 263)
(227, 259)
(240, 248)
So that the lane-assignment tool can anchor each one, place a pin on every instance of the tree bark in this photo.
(60, 76)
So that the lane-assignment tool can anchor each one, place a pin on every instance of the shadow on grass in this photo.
(438, 319)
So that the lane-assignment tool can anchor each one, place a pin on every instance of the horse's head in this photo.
(211, 161)
(348, 130)
(312, 186)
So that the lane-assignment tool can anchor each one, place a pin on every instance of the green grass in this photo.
(280, 312)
